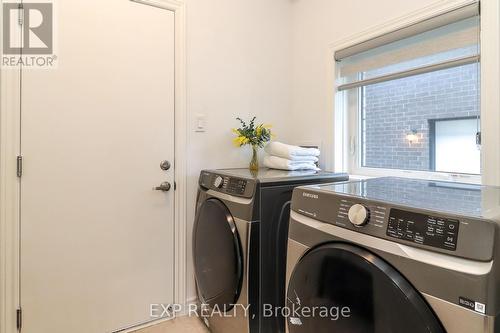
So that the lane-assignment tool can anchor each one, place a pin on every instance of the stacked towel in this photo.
(287, 157)
(290, 152)
(275, 162)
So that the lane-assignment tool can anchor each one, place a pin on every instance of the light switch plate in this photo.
(200, 123)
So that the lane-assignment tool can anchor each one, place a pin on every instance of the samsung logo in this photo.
(310, 195)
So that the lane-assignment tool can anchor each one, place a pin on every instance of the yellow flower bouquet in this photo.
(255, 135)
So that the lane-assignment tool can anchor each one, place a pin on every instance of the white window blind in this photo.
(444, 41)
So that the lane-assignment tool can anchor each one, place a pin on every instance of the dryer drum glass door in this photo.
(218, 261)
(352, 290)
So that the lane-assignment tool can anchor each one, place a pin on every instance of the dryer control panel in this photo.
(423, 229)
(229, 185)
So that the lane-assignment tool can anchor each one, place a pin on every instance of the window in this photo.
(412, 97)
(454, 145)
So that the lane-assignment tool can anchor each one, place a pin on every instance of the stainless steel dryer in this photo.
(239, 243)
(401, 255)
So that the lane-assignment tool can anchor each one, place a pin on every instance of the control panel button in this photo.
(423, 229)
(218, 182)
(358, 214)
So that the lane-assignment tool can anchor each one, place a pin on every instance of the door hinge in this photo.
(20, 8)
(19, 166)
(19, 318)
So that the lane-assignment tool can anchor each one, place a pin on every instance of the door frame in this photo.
(10, 135)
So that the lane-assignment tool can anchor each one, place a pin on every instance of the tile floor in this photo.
(177, 325)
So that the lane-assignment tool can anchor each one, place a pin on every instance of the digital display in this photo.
(423, 229)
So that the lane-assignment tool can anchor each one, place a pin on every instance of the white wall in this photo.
(315, 25)
(238, 65)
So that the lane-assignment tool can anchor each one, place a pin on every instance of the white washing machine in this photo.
(397, 255)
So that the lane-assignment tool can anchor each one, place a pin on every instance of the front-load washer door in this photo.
(218, 260)
(339, 287)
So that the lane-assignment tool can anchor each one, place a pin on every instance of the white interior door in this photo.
(96, 239)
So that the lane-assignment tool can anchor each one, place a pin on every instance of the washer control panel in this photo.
(226, 184)
(458, 235)
(233, 186)
(423, 229)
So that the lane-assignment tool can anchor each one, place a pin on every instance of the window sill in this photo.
(367, 173)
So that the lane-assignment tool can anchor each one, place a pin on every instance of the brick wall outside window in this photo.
(394, 108)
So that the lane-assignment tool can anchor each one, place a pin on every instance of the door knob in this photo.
(165, 165)
(165, 187)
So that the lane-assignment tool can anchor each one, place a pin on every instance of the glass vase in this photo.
(254, 163)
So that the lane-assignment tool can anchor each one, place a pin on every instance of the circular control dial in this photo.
(218, 182)
(358, 214)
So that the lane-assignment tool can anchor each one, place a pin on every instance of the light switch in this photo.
(200, 123)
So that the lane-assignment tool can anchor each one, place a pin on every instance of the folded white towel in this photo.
(304, 158)
(288, 151)
(275, 162)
